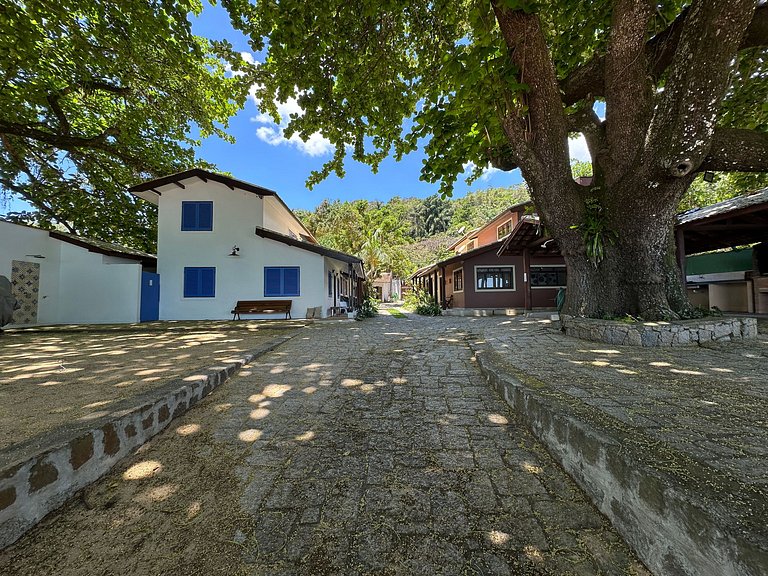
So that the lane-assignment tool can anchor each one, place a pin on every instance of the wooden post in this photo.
(680, 241)
(527, 278)
(442, 285)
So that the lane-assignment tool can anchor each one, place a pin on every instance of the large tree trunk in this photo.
(645, 153)
(638, 273)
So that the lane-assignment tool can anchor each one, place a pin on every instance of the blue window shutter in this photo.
(205, 216)
(191, 282)
(208, 282)
(291, 281)
(197, 216)
(199, 282)
(188, 216)
(272, 281)
(281, 281)
(330, 284)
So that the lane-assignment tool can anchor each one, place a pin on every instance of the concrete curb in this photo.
(680, 517)
(41, 474)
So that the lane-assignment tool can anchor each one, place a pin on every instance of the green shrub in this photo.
(421, 302)
(368, 308)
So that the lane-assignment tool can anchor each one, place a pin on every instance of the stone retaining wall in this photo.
(40, 475)
(679, 333)
(677, 528)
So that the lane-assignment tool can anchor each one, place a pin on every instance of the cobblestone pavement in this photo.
(707, 402)
(373, 447)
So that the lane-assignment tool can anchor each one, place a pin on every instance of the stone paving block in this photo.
(393, 464)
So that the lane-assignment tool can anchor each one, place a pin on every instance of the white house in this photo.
(388, 287)
(60, 278)
(221, 240)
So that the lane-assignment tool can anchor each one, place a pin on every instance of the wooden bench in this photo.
(261, 307)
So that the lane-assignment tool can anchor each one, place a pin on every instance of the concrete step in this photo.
(681, 516)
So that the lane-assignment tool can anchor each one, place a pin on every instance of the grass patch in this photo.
(397, 313)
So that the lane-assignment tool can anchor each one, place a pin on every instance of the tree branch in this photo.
(22, 191)
(501, 159)
(737, 150)
(73, 143)
(684, 120)
(53, 102)
(63, 141)
(546, 134)
(94, 85)
(757, 32)
(587, 122)
(589, 79)
(627, 90)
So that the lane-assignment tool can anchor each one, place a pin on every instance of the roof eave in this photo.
(316, 248)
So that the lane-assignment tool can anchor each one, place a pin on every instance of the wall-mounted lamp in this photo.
(235, 250)
(38, 256)
(709, 177)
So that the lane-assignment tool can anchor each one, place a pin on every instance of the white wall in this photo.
(338, 267)
(76, 286)
(236, 214)
(20, 243)
(95, 289)
(277, 218)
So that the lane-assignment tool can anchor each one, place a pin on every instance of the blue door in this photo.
(150, 297)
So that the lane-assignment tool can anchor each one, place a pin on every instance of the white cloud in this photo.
(248, 58)
(488, 172)
(578, 149)
(274, 133)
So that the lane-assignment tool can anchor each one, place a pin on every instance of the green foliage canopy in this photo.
(96, 95)
(506, 82)
(360, 69)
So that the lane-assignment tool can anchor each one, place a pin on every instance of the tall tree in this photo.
(725, 186)
(96, 95)
(434, 216)
(506, 81)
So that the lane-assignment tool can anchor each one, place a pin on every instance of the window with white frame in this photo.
(504, 229)
(494, 278)
(548, 276)
(458, 280)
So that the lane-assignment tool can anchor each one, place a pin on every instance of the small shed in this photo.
(60, 278)
(723, 253)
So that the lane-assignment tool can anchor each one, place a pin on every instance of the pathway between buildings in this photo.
(373, 447)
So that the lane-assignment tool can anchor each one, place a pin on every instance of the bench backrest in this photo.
(263, 304)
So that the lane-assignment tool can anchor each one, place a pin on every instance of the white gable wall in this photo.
(277, 218)
(76, 286)
(337, 269)
(20, 243)
(236, 214)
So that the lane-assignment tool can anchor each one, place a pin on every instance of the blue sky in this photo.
(262, 155)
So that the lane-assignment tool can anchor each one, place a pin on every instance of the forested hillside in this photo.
(405, 233)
